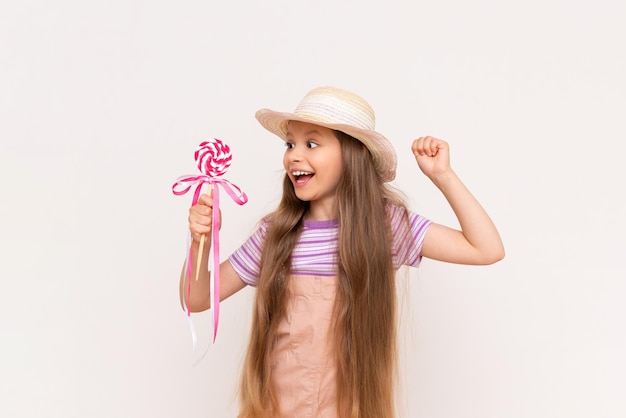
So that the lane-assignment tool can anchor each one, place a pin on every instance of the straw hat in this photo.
(342, 111)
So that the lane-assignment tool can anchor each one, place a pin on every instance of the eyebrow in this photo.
(307, 133)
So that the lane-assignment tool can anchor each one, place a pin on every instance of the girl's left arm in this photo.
(478, 242)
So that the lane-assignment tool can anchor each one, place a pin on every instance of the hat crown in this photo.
(335, 106)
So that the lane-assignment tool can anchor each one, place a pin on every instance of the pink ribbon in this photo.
(182, 186)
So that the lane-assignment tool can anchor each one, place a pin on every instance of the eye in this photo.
(312, 144)
(289, 145)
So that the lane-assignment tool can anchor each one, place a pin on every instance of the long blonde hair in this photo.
(365, 320)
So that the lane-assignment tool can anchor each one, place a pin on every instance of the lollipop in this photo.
(213, 159)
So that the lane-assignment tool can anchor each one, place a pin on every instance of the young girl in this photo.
(323, 337)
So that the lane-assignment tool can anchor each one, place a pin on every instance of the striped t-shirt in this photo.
(315, 254)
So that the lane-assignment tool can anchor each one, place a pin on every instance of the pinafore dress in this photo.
(303, 362)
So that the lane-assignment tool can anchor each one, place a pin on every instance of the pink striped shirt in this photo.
(315, 253)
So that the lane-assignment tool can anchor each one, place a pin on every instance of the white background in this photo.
(103, 103)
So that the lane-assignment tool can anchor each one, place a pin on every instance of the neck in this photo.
(321, 212)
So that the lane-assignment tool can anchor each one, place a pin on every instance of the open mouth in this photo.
(302, 176)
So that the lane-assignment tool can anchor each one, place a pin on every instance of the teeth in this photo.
(300, 173)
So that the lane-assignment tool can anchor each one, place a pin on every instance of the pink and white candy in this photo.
(213, 157)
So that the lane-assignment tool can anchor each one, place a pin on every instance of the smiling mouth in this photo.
(302, 176)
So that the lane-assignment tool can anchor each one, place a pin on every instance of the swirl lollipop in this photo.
(213, 159)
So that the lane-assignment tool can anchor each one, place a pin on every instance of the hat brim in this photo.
(383, 153)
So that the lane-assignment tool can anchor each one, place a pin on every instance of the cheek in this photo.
(338, 168)
(334, 175)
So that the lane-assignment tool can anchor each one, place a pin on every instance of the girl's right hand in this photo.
(201, 217)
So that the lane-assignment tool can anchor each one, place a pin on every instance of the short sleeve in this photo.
(246, 260)
(408, 230)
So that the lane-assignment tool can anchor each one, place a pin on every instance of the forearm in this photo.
(196, 294)
(476, 225)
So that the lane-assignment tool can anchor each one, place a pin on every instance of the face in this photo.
(313, 163)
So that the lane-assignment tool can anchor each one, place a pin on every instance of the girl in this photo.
(323, 338)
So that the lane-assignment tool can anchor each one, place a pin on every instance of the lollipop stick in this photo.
(199, 261)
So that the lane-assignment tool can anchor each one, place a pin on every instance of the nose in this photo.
(294, 154)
